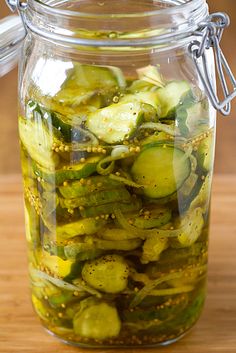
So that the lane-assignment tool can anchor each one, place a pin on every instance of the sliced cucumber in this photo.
(86, 81)
(82, 251)
(192, 228)
(32, 224)
(82, 227)
(152, 75)
(159, 136)
(141, 86)
(117, 122)
(205, 153)
(170, 97)
(152, 217)
(54, 264)
(148, 97)
(192, 117)
(98, 198)
(162, 312)
(38, 142)
(187, 191)
(93, 184)
(116, 234)
(203, 196)
(66, 129)
(152, 249)
(99, 321)
(107, 209)
(71, 172)
(108, 274)
(162, 169)
(121, 245)
(93, 246)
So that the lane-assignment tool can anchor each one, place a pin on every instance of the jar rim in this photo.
(128, 30)
(187, 4)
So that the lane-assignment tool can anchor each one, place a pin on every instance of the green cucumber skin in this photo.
(163, 313)
(146, 171)
(32, 133)
(99, 198)
(108, 208)
(96, 183)
(85, 226)
(161, 219)
(60, 176)
(171, 96)
(64, 175)
(55, 119)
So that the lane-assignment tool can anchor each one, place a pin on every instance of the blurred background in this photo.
(226, 133)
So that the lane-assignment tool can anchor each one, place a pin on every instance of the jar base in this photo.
(83, 345)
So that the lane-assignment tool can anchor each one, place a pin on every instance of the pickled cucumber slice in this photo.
(96, 320)
(170, 97)
(60, 299)
(70, 172)
(152, 75)
(161, 312)
(107, 209)
(54, 264)
(82, 251)
(192, 116)
(93, 247)
(152, 217)
(205, 153)
(141, 86)
(152, 249)
(122, 245)
(38, 142)
(86, 81)
(93, 184)
(85, 226)
(192, 228)
(117, 122)
(159, 136)
(68, 127)
(98, 198)
(188, 191)
(32, 224)
(162, 169)
(202, 199)
(116, 234)
(150, 98)
(40, 309)
(108, 274)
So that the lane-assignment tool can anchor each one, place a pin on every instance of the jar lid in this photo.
(12, 33)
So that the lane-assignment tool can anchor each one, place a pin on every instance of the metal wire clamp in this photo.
(211, 33)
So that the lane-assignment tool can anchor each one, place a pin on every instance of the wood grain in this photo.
(20, 331)
(226, 143)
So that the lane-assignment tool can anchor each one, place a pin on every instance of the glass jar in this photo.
(117, 136)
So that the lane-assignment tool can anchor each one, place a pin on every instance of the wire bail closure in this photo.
(16, 5)
(211, 33)
(19, 6)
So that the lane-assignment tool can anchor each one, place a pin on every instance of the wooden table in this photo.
(20, 330)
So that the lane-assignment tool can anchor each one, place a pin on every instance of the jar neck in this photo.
(148, 23)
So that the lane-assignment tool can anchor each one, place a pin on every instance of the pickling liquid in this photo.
(117, 183)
